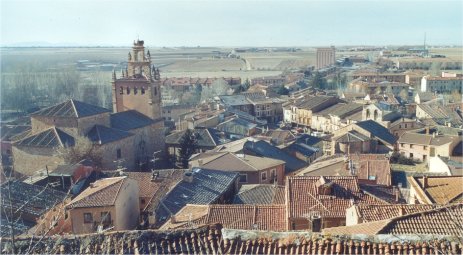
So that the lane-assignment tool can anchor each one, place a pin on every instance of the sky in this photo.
(231, 23)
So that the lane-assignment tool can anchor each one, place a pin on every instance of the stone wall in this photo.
(28, 160)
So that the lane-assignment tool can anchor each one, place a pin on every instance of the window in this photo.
(263, 176)
(135, 90)
(433, 152)
(273, 174)
(121, 91)
(424, 157)
(411, 155)
(106, 217)
(142, 90)
(243, 178)
(411, 145)
(88, 218)
(142, 201)
(425, 147)
(118, 153)
(128, 91)
(401, 145)
(405, 125)
(155, 91)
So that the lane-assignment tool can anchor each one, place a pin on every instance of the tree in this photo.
(188, 146)
(435, 68)
(456, 96)
(318, 81)
(83, 149)
(282, 90)
(302, 84)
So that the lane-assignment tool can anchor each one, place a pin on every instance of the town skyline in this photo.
(231, 23)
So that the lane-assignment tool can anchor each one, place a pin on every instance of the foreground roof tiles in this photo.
(438, 189)
(215, 240)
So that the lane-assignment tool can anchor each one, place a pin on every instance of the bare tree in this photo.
(83, 149)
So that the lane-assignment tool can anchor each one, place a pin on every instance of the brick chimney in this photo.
(425, 181)
(401, 211)
(188, 177)
(427, 130)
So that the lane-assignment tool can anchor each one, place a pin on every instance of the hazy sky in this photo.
(232, 23)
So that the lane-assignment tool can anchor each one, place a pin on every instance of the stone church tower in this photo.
(139, 88)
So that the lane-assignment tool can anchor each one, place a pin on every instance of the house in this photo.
(28, 203)
(110, 203)
(249, 217)
(369, 168)
(318, 202)
(302, 111)
(303, 151)
(264, 149)
(199, 187)
(439, 114)
(333, 117)
(441, 84)
(279, 137)
(357, 214)
(252, 169)
(362, 137)
(419, 145)
(435, 189)
(436, 221)
(206, 139)
(423, 97)
(237, 127)
(402, 125)
(260, 194)
(218, 240)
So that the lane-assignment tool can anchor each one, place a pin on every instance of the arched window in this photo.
(121, 91)
(368, 113)
(375, 114)
(142, 90)
(155, 91)
(135, 90)
(128, 91)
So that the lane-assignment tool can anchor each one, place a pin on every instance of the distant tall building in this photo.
(325, 57)
(139, 88)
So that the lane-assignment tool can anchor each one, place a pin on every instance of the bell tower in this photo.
(139, 85)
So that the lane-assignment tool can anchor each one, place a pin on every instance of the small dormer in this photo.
(324, 186)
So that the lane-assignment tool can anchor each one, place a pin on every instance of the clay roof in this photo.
(71, 109)
(369, 213)
(378, 131)
(103, 192)
(423, 139)
(305, 198)
(238, 162)
(352, 136)
(205, 137)
(445, 220)
(260, 194)
(440, 189)
(434, 110)
(212, 239)
(148, 186)
(257, 217)
(372, 167)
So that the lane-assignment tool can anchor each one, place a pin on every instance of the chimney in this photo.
(316, 223)
(425, 181)
(188, 177)
(401, 211)
(200, 162)
(173, 220)
(427, 130)
(154, 176)
(434, 134)
(396, 193)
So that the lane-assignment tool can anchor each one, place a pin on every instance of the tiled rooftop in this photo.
(377, 131)
(102, 135)
(215, 240)
(228, 161)
(129, 120)
(439, 189)
(369, 213)
(260, 194)
(50, 138)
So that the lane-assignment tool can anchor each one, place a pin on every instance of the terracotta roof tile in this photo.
(369, 213)
(100, 193)
(439, 189)
(260, 194)
(215, 240)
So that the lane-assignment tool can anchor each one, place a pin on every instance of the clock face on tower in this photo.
(138, 87)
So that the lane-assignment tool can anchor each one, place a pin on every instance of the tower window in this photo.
(142, 90)
(135, 90)
(121, 91)
(155, 91)
(128, 91)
